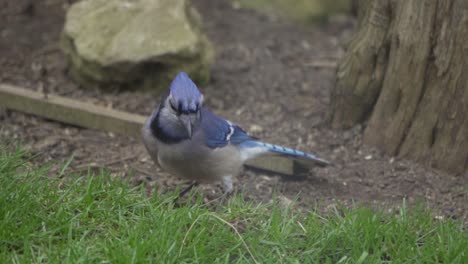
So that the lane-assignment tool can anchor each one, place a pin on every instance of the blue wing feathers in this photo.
(220, 132)
(239, 136)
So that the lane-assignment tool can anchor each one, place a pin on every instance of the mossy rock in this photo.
(138, 43)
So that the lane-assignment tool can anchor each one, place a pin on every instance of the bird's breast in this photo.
(200, 163)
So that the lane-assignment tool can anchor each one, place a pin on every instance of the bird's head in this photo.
(183, 104)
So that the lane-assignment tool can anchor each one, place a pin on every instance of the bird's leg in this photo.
(228, 189)
(227, 184)
(186, 190)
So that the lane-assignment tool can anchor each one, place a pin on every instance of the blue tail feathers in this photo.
(295, 154)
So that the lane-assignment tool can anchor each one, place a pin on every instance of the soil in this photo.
(271, 77)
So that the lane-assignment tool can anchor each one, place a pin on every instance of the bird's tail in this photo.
(256, 148)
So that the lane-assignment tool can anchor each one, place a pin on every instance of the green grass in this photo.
(98, 219)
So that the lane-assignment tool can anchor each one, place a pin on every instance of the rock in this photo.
(142, 43)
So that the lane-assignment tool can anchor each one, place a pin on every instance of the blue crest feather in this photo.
(185, 94)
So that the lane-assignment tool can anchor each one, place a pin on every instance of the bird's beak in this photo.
(187, 122)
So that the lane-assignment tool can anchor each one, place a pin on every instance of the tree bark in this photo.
(406, 75)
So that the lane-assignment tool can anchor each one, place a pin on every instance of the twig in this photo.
(140, 170)
(119, 160)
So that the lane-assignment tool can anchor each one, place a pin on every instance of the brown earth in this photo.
(271, 77)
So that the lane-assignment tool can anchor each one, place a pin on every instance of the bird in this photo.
(191, 142)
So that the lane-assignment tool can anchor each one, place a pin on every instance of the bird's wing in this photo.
(219, 132)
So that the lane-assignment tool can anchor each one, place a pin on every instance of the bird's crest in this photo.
(184, 94)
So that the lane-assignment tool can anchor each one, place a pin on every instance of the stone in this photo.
(135, 43)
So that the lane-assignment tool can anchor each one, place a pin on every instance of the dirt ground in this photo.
(270, 77)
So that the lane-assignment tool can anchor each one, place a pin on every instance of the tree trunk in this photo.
(406, 74)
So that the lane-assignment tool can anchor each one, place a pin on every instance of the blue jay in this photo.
(189, 141)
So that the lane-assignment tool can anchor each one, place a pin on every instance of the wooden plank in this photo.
(91, 116)
(70, 111)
